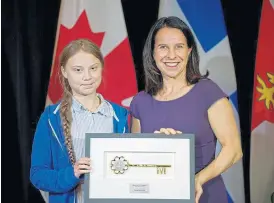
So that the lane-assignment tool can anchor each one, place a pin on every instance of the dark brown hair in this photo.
(153, 77)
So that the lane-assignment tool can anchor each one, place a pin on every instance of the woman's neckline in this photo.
(178, 98)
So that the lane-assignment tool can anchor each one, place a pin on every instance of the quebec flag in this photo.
(205, 18)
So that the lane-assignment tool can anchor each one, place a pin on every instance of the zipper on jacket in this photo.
(54, 133)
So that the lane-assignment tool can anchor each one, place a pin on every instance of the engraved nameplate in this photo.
(139, 188)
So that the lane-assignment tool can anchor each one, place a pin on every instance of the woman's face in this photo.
(84, 73)
(171, 52)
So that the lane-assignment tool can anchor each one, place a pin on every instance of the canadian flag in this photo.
(262, 135)
(101, 21)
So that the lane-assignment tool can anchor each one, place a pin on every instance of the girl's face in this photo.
(84, 73)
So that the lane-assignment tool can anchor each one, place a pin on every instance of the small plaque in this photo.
(139, 188)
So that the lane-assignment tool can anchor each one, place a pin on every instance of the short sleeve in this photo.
(212, 93)
(135, 103)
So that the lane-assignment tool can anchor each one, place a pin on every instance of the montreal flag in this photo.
(206, 20)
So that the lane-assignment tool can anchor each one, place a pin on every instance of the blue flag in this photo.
(206, 20)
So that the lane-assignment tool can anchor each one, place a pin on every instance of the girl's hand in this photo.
(82, 166)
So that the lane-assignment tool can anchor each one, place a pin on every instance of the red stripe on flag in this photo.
(119, 79)
(263, 95)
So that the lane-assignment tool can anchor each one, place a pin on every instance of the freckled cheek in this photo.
(75, 79)
(98, 79)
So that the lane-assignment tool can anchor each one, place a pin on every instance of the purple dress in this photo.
(189, 115)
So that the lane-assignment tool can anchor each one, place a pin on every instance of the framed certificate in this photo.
(129, 168)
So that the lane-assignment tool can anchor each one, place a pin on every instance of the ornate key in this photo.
(119, 165)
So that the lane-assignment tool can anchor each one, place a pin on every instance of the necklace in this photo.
(97, 102)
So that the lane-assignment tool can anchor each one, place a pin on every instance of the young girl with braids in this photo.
(57, 161)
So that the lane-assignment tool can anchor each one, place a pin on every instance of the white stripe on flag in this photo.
(218, 60)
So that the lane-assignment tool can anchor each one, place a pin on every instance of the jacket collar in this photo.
(113, 113)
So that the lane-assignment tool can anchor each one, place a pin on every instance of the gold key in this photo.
(119, 165)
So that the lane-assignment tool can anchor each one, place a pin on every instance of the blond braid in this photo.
(66, 117)
(65, 109)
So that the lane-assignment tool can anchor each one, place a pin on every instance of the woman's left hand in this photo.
(168, 131)
(198, 189)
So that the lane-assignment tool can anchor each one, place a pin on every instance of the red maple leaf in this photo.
(81, 29)
(119, 79)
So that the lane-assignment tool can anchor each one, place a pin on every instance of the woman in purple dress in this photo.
(178, 99)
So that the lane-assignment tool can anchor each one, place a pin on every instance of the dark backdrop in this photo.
(28, 37)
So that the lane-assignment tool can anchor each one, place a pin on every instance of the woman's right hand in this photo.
(168, 131)
(82, 166)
